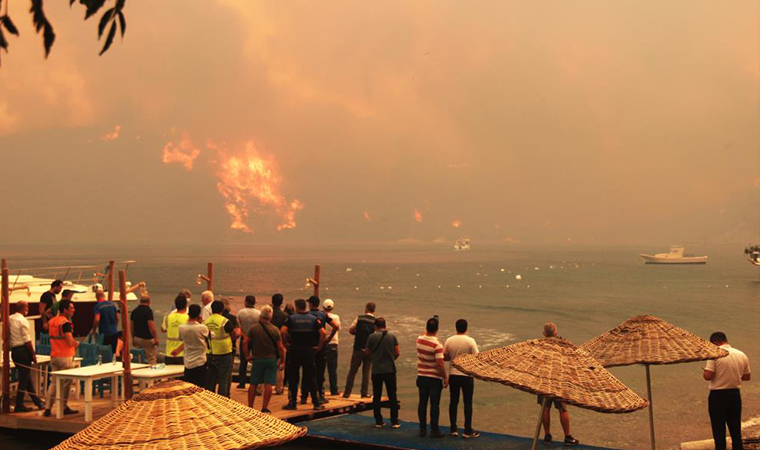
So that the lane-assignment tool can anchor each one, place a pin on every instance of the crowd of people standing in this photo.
(297, 343)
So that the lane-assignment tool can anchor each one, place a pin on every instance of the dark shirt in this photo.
(232, 322)
(303, 330)
(382, 347)
(279, 317)
(141, 316)
(324, 319)
(48, 298)
(263, 343)
(107, 325)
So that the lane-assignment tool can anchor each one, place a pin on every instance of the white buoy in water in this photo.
(518, 277)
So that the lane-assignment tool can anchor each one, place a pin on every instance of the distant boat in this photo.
(753, 254)
(462, 245)
(676, 255)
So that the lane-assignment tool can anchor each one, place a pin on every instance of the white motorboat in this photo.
(753, 254)
(85, 281)
(676, 255)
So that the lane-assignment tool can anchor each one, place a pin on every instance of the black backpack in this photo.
(365, 326)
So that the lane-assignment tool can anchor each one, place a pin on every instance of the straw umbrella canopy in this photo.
(649, 340)
(555, 369)
(177, 415)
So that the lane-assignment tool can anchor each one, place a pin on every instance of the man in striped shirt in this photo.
(431, 377)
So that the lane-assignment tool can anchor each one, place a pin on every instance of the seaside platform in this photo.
(34, 420)
(356, 431)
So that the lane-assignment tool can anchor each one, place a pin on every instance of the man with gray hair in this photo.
(264, 349)
(550, 331)
(207, 298)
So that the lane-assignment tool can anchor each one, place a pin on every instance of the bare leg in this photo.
(251, 395)
(547, 420)
(564, 419)
(119, 346)
(267, 396)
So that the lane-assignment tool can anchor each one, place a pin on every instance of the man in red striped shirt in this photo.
(431, 377)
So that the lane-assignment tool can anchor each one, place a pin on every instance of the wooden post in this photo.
(315, 282)
(651, 411)
(210, 277)
(6, 314)
(540, 420)
(111, 268)
(126, 355)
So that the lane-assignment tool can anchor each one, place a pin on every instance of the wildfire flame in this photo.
(456, 223)
(366, 216)
(417, 215)
(112, 135)
(183, 152)
(249, 176)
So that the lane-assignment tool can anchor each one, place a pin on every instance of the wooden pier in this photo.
(34, 420)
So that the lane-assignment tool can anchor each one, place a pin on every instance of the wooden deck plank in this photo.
(34, 420)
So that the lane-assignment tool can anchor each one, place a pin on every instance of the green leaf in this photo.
(9, 25)
(109, 39)
(107, 16)
(123, 23)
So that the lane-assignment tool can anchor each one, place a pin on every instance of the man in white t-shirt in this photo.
(194, 336)
(460, 344)
(331, 348)
(725, 401)
(247, 317)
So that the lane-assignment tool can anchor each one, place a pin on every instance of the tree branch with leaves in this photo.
(112, 19)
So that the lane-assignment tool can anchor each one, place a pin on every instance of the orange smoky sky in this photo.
(605, 122)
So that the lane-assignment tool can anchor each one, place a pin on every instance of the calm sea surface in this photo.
(585, 291)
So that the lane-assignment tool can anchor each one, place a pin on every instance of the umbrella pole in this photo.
(538, 426)
(651, 412)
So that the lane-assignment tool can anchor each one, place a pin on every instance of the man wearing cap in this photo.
(725, 400)
(22, 353)
(331, 348)
(63, 347)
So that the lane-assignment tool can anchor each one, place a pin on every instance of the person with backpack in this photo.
(361, 328)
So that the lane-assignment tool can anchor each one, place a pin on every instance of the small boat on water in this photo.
(676, 255)
(753, 254)
(462, 244)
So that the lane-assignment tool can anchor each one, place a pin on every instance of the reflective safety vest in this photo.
(221, 343)
(173, 321)
(59, 347)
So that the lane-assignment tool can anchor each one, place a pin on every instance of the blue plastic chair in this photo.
(138, 355)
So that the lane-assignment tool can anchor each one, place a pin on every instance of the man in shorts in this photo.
(264, 349)
(550, 331)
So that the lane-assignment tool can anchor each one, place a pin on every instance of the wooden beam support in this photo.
(6, 313)
(126, 355)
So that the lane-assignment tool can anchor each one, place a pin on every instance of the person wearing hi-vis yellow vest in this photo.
(173, 322)
(220, 349)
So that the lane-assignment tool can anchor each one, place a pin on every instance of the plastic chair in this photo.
(138, 355)
(106, 354)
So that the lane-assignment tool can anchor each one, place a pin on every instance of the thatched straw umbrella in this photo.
(177, 415)
(649, 340)
(556, 369)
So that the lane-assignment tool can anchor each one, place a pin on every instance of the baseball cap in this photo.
(328, 304)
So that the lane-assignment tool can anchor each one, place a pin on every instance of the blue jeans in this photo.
(243, 366)
(429, 389)
(221, 373)
(332, 367)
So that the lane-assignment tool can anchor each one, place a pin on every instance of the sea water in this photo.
(506, 293)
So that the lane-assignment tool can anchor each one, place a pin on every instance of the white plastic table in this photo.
(89, 374)
(149, 375)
